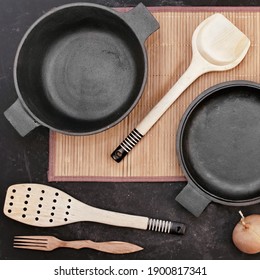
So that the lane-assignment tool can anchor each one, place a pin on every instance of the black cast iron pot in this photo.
(80, 69)
(218, 145)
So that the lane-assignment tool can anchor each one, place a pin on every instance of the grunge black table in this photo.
(25, 160)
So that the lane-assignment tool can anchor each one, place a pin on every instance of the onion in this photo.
(246, 234)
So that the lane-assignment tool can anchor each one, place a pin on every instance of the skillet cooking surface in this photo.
(80, 69)
(220, 143)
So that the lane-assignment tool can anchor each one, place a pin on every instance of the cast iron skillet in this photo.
(80, 68)
(218, 145)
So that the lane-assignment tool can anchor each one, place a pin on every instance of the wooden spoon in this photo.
(217, 45)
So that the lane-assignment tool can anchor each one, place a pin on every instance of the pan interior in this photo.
(81, 69)
(220, 143)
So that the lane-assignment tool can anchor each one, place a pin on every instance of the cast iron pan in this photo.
(80, 68)
(218, 145)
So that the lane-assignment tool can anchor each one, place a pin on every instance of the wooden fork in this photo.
(49, 243)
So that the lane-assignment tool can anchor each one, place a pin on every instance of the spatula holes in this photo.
(41, 198)
(56, 194)
(69, 200)
(24, 209)
(54, 200)
(11, 197)
(52, 214)
(67, 213)
(43, 191)
(27, 196)
(24, 216)
(29, 189)
(11, 204)
(9, 211)
(68, 207)
(50, 220)
(38, 212)
(40, 206)
(14, 190)
(26, 202)
(36, 219)
(53, 208)
(65, 219)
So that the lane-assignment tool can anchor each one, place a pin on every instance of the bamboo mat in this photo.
(87, 158)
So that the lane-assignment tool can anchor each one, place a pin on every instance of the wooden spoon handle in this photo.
(112, 247)
(195, 70)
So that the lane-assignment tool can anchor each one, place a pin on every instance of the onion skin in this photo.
(246, 234)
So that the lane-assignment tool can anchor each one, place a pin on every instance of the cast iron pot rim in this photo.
(190, 180)
(20, 46)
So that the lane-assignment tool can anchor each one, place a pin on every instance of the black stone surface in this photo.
(25, 160)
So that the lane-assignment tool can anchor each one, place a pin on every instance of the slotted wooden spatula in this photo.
(45, 206)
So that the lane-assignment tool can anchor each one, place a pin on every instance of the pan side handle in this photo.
(141, 21)
(20, 119)
(193, 200)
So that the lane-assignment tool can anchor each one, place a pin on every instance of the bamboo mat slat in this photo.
(87, 158)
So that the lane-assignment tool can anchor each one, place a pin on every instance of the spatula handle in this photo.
(189, 76)
(126, 145)
(133, 221)
(166, 226)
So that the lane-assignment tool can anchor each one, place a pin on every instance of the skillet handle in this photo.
(141, 21)
(20, 119)
(193, 200)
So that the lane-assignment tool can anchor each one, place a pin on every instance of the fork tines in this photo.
(30, 242)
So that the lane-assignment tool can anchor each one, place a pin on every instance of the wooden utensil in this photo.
(217, 45)
(45, 206)
(50, 243)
